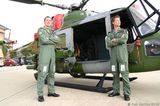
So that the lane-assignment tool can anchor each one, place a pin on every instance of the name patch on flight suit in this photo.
(113, 68)
(123, 67)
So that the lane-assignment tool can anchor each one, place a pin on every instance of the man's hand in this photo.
(114, 41)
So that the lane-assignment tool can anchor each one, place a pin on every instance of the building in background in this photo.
(2, 41)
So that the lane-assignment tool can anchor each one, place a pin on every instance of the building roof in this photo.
(3, 27)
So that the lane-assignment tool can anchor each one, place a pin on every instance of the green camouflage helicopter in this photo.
(84, 50)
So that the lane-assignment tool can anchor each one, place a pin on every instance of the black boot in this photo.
(126, 98)
(112, 94)
(53, 94)
(40, 99)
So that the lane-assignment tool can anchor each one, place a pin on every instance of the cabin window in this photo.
(147, 27)
(145, 18)
(152, 47)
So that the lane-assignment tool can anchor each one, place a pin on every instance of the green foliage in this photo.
(4, 49)
(1, 42)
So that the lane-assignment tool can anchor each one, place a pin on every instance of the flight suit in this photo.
(119, 60)
(47, 41)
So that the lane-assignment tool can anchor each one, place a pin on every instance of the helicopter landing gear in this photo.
(100, 85)
(108, 78)
(98, 88)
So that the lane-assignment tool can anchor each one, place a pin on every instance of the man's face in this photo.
(117, 22)
(47, 22)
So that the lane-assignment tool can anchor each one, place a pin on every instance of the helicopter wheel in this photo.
(77, 75)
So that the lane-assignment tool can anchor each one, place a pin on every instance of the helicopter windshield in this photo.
(145, 17)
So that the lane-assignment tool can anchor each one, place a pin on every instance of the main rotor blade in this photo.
(28, 1)
(42, 3)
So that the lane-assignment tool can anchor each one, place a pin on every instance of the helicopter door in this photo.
(146, 16)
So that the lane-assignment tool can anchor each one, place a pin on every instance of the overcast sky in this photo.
(25, 19)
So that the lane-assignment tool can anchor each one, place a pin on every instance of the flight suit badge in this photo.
(40, 33)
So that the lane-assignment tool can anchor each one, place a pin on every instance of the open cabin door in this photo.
(145, 16)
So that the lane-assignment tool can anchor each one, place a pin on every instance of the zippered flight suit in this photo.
(46, 66)
(119, 60)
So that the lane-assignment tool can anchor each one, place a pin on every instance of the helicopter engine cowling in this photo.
(73, 17)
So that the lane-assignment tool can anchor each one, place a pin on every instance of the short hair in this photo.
(46, 17)
(116, 16)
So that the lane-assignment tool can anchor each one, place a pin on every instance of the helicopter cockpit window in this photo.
(145, 17)
(147, 27)
(152, 47)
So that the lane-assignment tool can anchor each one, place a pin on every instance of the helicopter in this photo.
(84, 51)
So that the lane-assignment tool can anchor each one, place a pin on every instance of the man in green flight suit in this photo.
(117, 40)
(46, 66)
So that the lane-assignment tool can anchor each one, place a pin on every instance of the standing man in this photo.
(46, 67)
(117, 41)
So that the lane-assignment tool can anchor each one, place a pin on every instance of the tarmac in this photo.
(18, 88)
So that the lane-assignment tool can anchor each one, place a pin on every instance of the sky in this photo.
(24, 19)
